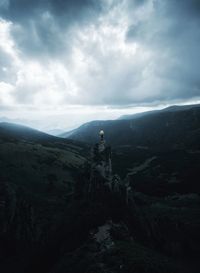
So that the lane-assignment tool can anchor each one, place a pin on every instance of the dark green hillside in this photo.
(160, 152)
(37, 178)
(60, 213)
(57, 217)
(159, 130)
(11, 131)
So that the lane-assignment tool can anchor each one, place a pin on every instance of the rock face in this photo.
(101, 170)
(102, 181)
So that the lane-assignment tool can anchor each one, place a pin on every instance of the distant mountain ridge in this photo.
(21, 131)
(55, 132)
(164, 127)
(172, 108)
(32, 124)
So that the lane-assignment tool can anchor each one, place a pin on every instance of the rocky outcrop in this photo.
(102, 182)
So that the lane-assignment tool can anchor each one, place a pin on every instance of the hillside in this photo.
(57, 214)
(38, 154)
(173, 108)
(160, 151)
(158, 128)
(37, 178)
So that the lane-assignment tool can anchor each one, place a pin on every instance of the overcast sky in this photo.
(65, 62)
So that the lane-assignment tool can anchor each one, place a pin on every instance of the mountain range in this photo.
(140, 128)
(45, 226)
(153, 147)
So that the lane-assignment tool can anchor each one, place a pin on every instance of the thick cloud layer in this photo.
(40, 26)
(57, 53)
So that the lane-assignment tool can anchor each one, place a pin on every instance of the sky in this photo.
(63, 63)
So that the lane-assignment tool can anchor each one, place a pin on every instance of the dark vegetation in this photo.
(37, 174)
(162, 148)
(48, 226)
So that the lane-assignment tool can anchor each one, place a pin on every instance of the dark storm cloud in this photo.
(41, 26)
(19, 10)
(181, 8)
(173, 34)
(94, 43)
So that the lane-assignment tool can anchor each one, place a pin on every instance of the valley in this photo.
(133, 208)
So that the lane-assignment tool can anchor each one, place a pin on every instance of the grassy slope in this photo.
(37, 178)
